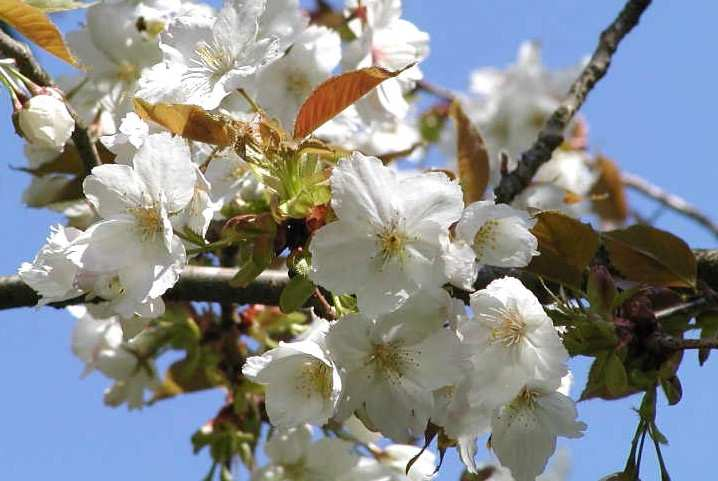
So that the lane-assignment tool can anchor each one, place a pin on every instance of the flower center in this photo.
(511, 328)
(297, 83)
(315, 377)
(127, 72)
(149, 221)
(392, 243)
(215, 58)
(485, 238)
(295, 471)
(390, 360)
(526, 398)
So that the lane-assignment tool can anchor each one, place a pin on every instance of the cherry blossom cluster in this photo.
(410, 357)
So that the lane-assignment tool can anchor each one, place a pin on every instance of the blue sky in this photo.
(653, 113)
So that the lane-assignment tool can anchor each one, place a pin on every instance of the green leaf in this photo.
(254, 234)
(645, 254)
(586, 334)
(225, 474)
(672, 389)
(566, 245)
(345, 304)
(607, 378)
(295, 294)
(707, 322)
(196, 372)
(648, 406)
(431, 124)
(615, 375)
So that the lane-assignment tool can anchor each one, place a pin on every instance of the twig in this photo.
(24, 59)
(197, 283)
(30, 68)
(326, 310)
(435, 90)
(675, 344)
(671, 201)
(211, 284)
(552, 134)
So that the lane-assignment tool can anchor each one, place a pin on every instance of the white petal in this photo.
(113, 188)
(430, 197)
(111, 244)
(361, 190)
(163, 163)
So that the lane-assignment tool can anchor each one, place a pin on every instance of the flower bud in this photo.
(45, 121)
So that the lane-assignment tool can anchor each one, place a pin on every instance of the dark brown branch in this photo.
(671, 201)
(551, 135)
(31, 68)
(669, 343)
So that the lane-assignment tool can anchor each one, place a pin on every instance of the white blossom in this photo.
(385, 40)
(524, 431)
(205, 59)
(91, 336)
(132, 378)
(135, 241)
(119, 41)
(513, 341)
(372, 137)
(284, 20)
(390, 365)
(509, 106)
(302, 384)
(397, 456)
(131, 134)
(45, 121)
(390, 235)
(293, 457)
(52, 273)
(563, 183)
(199, 211)
(499, 234)
(104, 342)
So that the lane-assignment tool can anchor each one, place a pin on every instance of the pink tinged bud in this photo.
(45, 121)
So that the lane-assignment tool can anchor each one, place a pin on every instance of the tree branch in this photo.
(197, 283)
(551, 135)
(671, 201)
(676, 344)
(31, 68)
(436, 90)
(211, 284)
(24, 59)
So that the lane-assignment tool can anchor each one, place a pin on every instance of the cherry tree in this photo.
(248, 185)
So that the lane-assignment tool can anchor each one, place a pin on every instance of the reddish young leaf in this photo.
(652, 256)
(336, 94)
(36, 26)
(471, 155)
(566, 246)
(609, 195)
(189, 121)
